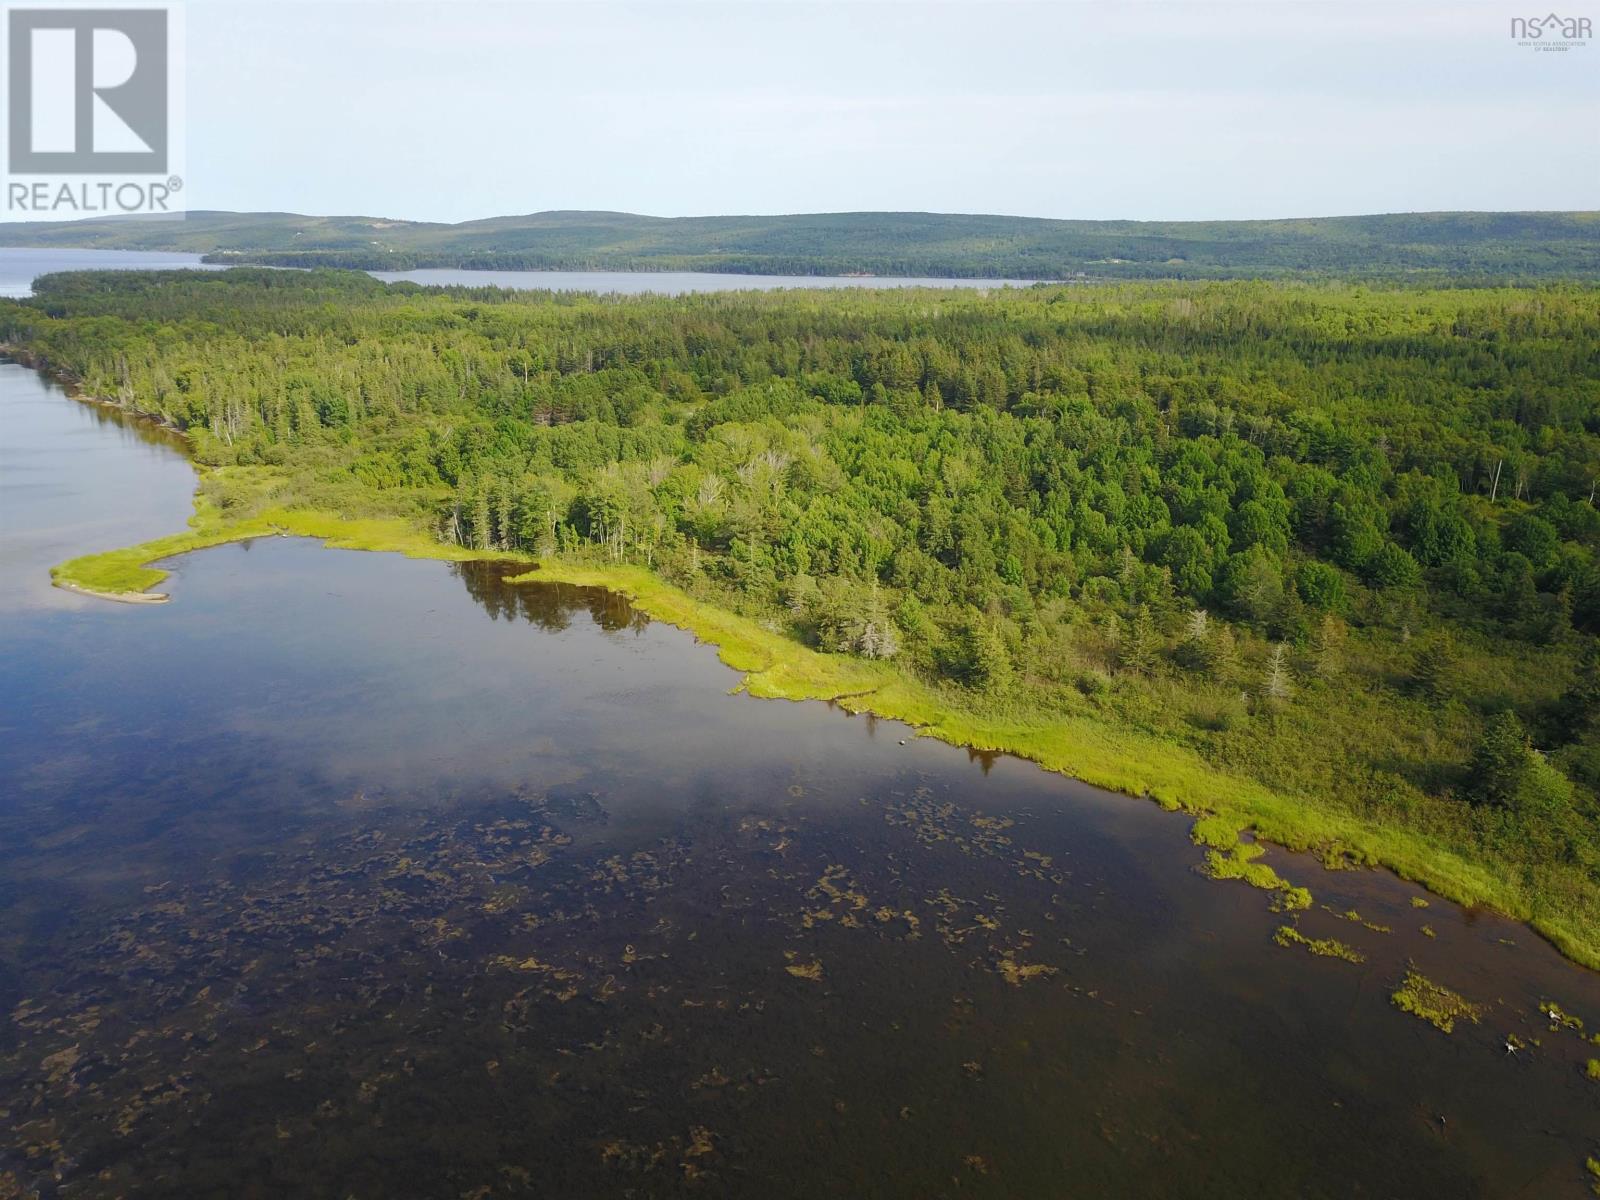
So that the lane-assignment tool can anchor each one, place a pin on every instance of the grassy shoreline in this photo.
(1119, 760)
(777, 667)
(126, 575)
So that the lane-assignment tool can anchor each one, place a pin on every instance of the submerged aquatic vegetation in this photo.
(1240, 863)
(1559, 1017)
(1288, 935)
(565, 982)
(1354, 916)
(803, 970)
(634, 469)
(1434, 1003)
(1016, 973)
(1593, 1069)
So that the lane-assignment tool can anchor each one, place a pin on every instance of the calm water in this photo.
(347, 875)
(18, 268)
(673, 283)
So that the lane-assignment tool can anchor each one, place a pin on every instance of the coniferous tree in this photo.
(481, 528)
(1434, 667)
(1501, 762)
(1140, 644)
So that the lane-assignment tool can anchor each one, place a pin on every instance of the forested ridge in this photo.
(1338, 540)
(1414, 246)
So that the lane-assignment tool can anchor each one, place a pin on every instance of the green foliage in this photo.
(1434, 1003)
(1392, 567)
(1580, 703)
(1321, 586)
(1239, 861)
(1503, 764)
(1436, 664)
(1288, 935)
(1187, 554)
(1412, 245)
(1535, 539)
(1217, 833)
(1251, 585)
(1141, 644)
(1527, 800)
(1265, 528)
(975, 654)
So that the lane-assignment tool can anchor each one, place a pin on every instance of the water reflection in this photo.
(317, 882)
(549, 606)
(48, 445)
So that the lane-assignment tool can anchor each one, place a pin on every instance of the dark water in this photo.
(19, 268)
(346, 875)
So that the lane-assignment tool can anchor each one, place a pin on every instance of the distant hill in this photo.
(1413, 245)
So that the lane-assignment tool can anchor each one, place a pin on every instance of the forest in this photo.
(1337, 539)
(1415, 247)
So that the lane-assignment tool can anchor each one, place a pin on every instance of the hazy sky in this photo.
(448, 111)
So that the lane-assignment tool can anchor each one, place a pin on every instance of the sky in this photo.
(1058, 108)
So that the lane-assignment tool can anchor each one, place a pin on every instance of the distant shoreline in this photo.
(1453, 246)
(162, 260)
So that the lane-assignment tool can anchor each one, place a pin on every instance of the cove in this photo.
(347, 874)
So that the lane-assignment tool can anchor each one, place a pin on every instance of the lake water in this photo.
(673, 283)
(18, 269)
(345, 875)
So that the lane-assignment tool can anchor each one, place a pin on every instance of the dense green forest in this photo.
(1340, 540)
(1429, 246)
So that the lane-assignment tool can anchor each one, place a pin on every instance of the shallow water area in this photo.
(344, 874)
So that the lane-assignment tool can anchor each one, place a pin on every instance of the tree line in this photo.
(1320, 533)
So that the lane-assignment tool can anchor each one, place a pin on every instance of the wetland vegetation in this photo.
(1316, 560)
(348, 875)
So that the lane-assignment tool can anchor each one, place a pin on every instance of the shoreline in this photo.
(114, 597)
(1232, 815)
(1226, 807)
(73, 387)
